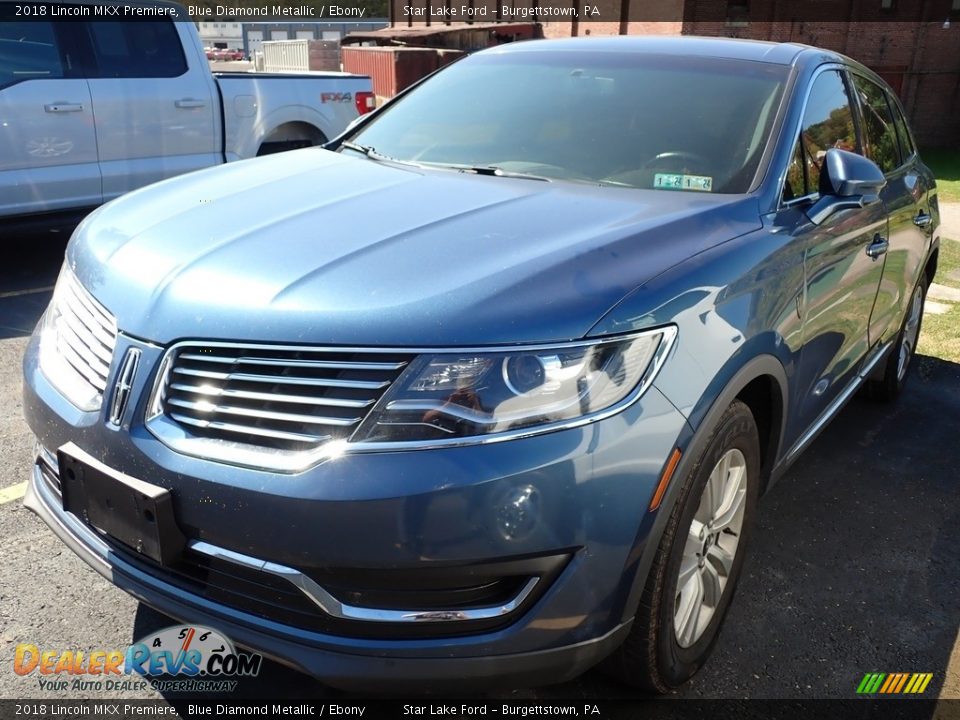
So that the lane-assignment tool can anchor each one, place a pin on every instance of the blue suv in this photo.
(486, 390)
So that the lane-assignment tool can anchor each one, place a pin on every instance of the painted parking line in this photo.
(14, 492)
(31, 291)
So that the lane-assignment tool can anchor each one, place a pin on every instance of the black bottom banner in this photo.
(344, 709)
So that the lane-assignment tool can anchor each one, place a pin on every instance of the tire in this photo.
(272, 148)
(665, 648)
(889, 386)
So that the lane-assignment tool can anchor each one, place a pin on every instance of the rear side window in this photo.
(827, 123)
(903, 134)
(878, 126)
(137, 49)
(28, 51)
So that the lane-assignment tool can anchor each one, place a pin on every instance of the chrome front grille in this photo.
(85, 333)
(287, 400)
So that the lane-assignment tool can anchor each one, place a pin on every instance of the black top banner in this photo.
(729, 13)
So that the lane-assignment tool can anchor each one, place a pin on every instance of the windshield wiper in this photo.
(371, 152)
(495, 171)
(491, 170)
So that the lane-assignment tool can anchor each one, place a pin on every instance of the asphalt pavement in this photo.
(853, 568)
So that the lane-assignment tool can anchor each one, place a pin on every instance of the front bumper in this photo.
(397, 511)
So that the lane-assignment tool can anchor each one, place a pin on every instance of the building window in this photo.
(887, 4)
(955, 6)
(738, 12)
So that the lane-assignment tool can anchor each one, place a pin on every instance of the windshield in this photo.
(638, 121)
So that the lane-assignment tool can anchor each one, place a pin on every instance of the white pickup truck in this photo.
(93, 107)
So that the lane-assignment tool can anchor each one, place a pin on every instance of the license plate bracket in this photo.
(136, 513)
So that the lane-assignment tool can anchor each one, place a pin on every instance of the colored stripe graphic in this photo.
(894, 683)
(870, 683)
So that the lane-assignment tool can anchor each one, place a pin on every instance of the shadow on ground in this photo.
(27, 275)
(853, 567)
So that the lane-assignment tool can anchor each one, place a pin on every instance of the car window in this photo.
(903, 133)
(878, 126)
(28, 51)
(796, 182)
(614, 119)
(137, 49)
(827, 123)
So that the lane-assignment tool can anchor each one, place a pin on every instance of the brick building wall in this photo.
(907, 43)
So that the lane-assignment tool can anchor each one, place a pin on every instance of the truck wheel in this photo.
(698, 561)
(888, 387)
(291, 136)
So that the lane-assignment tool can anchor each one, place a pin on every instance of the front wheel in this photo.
(698, 561)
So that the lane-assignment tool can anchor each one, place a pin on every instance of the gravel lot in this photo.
(853, 567)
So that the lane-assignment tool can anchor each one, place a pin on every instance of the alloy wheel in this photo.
(710, 548)
(910, 333)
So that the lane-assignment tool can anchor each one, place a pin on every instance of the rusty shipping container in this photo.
(395, 68)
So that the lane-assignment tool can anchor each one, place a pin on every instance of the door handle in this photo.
(189, 103)
(878, 247)
(922, 219)
(63, 107)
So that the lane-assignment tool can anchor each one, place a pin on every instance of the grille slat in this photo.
(90, 359)
(100, 316)
(208, 408)
(207, 391)
(274, 398)
(284, 379)
(245, 429)
(94, 344)
(291, 362)
(104, 330)
(85, 333)
(75, 361)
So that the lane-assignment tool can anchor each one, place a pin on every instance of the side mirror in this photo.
(850, 181)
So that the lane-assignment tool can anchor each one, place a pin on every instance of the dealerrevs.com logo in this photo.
(180, 658)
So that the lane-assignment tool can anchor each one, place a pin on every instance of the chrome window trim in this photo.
(177, 438)
(334, 608)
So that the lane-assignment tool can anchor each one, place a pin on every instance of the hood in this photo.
(325, 248)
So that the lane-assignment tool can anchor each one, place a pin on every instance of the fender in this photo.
(247, 142)
(692, 444)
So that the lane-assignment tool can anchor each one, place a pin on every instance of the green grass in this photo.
(946, 167)
(940, 334)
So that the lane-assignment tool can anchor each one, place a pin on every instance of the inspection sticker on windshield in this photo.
(673, 181)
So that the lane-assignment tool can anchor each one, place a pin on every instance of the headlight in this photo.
(450, 397)
(77, 337)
